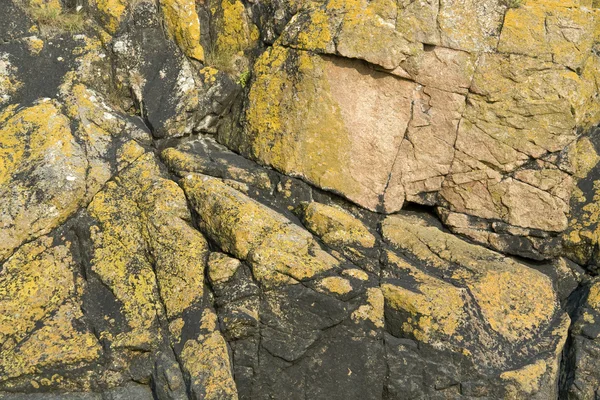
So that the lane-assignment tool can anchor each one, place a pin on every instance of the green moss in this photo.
(244, 78)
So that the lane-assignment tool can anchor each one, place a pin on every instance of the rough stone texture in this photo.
(285, 199)
(471, 112)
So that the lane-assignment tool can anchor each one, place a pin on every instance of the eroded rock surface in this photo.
(332, 199)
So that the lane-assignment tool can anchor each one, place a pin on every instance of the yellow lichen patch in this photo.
(357, 274)
(207, 362)
(260, 179)
(181, 161)
(335, 284)
(112, 13)
(509, 87)
(182, 23)
(43, 126)
(34, 44)
(367, 31)
(209, 320)
(175, 328)
(264, 96)
(529, 377)
(130, 152)
(583, 157)
(235, 33)
(34, 282)
(317, 35)
(289, 254)
(179, 250)
(221, 268)
(209, 74)
(551, 31)
(119, 257)
(395, 231)
(236, 221)
(152, 219)
(337, 227)
(437, 308)
(138, 339)
(373, 310)
(42, 174)
(594, 296)
(584, 231)
(515, 300)
(278, 251)
(55, 344)
(524, 31)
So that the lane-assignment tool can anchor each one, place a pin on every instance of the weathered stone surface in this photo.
(38, 142)
(233, 36)
(328, 199)
(582, 381)
(435, 304)
(328, 152)
(171, 94)
(39, 312)
(181, 21)
(278, 251)
(479, 114)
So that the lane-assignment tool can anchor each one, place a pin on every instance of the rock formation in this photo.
(287, 199)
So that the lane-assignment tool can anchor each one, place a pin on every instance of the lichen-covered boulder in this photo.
(462, 139)
(286, 199)
(435, 283)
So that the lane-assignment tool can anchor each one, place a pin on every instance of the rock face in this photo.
(332, 199)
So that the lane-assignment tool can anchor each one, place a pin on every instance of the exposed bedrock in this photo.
(284, 199)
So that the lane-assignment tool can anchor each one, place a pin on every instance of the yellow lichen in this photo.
(112, 13)
(437, 307)
(175, 328)
(207, 362)
(235, 33)
(337, 227)
(128, 153)
(35, 281)
(278, 251)
(221, 268)
(593, 298)
(317, 36)
(335, 284)
(182, 23)
(209, 320)
(547, 30)
(153, 221)
(35, 44)
(515, 300)
(209, 74)
(357, 274)
(529, 377)
(584, 229)
(35, 136)
(56, 343)
(373, 310)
